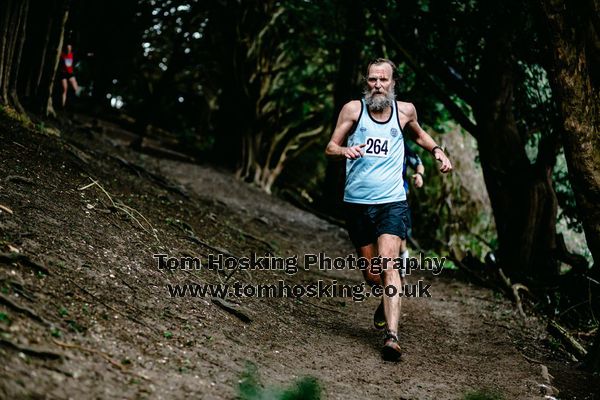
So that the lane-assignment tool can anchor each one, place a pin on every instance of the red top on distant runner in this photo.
(67, 62)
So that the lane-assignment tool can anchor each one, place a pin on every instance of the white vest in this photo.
(376, 178)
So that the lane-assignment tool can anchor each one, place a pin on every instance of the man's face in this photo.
(379, 80)
(379, 93)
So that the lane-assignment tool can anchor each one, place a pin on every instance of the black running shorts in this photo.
(366, 222)
(66, 75)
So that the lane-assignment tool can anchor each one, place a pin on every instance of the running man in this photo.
(67, 73)
(377, 210)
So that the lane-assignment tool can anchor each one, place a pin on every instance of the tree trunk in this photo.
(345, 89)
(521, 194)
(575, 42)
(44, 57)
(12, 29)
(12, 89)
(5, 12)
(236, 113)
(60, 12)
(574, 37)
(39, 25)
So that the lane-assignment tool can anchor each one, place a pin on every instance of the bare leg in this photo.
(389, 247)
(404, 254)
(369, 252)
(73, 82)
(403, 246)
(64, 92)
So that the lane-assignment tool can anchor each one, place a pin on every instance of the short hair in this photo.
(378, 61)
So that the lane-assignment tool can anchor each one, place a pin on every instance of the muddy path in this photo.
(86, 312)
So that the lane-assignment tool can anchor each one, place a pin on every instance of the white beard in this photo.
(379, 103)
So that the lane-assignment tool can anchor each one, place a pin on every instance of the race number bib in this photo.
(377, 147)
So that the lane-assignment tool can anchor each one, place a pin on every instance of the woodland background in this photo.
(510, 88)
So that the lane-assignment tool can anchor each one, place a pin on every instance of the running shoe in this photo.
(379, 317)
(391, 349)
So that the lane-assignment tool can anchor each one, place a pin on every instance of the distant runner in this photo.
(375, 197)
(412, 160)
(67, 72)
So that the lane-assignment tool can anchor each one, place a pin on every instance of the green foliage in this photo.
(448, 264)
(250, 388)
(4, 318)
(63, 312)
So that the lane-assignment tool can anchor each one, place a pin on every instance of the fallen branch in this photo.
(573, 346)
(36, 352)
(4, 208)
(22, 309)
(232, 309)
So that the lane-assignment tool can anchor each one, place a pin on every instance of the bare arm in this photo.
(422, 138)
(418, 176)
(348, 116)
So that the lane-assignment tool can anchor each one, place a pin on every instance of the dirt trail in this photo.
(453, 341)
(105, 309)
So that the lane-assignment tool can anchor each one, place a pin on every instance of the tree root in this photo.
(108, 306)
(22, 309)
(10, 258)
(78, 153)
(102, 354)
(304, 301)
(36, 352)
(546, 388)
(249, 236)
(18, 179)
(514, 290)
(507, 285)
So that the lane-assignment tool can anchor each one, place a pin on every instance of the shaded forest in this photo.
(512, 90)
